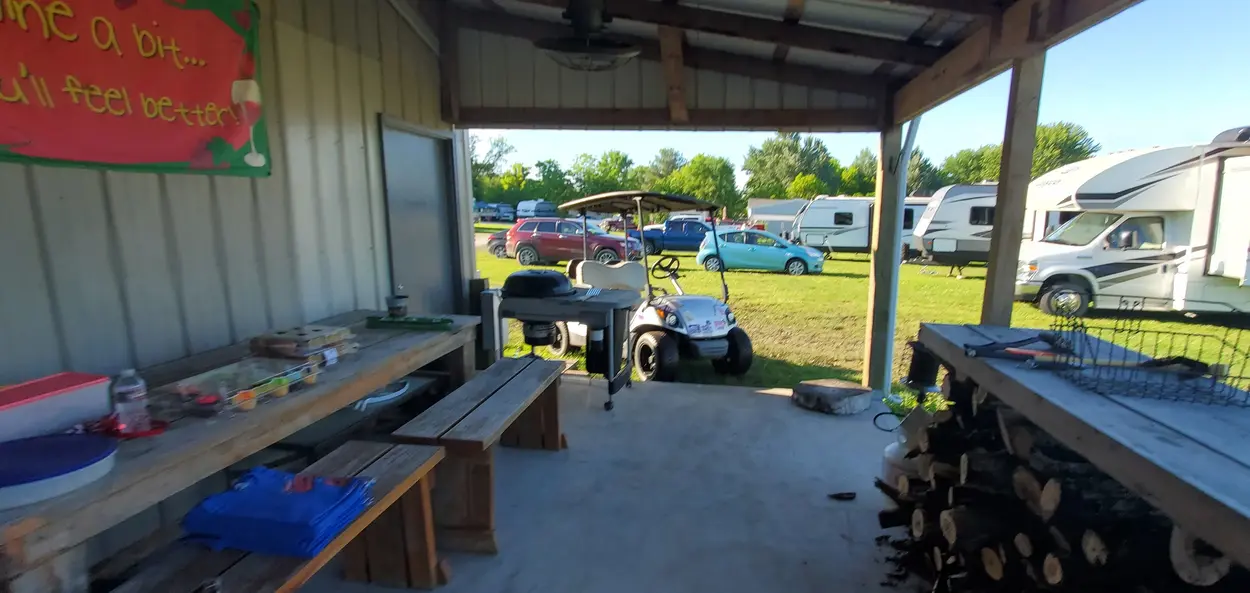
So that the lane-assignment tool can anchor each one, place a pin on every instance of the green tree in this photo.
(664, 164)
(1060, 144)
(806, 186)
(973, 165)
(552, 184)
(775, 163)
(923, 177)
(611, 171)
(487, 167)
(860, 178)
(515, 178)
(708, 178)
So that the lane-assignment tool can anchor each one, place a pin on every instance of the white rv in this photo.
(1158, 228)
(535, 208)
(956, 226)
(843, 224)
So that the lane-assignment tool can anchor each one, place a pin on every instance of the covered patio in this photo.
(683, 488)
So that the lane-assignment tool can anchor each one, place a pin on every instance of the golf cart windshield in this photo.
(1083, 229)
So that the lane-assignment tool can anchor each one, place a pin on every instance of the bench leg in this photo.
(549, 404)
(397, 550)
(419, 536)
(464, 502)
(538, 427)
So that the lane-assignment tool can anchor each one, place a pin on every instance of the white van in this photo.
(843, 224)
(533, 208)
(956, 226)
(1157, 229)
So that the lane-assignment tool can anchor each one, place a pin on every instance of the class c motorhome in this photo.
(956, 225)
(1156, 229)
(843, 224)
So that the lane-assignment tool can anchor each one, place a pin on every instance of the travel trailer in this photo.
(535, 208)
(1156, 229)
(843, 224)
(956, 225)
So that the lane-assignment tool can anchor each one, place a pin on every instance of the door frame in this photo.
(460, 277)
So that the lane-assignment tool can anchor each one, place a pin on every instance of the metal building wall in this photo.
(501, 71)
(104, 270)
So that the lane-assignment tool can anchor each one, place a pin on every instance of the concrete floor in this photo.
(682, 488)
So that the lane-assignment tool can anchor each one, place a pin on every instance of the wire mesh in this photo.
(1118, 356)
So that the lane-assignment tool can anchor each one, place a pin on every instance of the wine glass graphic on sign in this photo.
(246, 94)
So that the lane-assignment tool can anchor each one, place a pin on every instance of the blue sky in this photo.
(1165, 72)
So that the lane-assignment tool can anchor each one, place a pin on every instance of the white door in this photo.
(1145, 266)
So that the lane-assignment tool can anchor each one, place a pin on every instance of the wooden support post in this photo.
(671, 41)
(419, 536)
(464, 502)
(1013, 187)
(886, 252)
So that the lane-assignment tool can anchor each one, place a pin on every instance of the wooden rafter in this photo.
(1025, 29)
(794, 12)
(705, 59)
(766, 30)
(671, 42)
(449, 66)
(838, 120)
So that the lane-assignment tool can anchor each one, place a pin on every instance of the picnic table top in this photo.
(150, 470)
(1191, 461)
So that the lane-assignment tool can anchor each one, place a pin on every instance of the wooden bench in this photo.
(514, 402)
(397, 550)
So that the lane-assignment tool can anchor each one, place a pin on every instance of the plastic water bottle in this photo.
(130, 403)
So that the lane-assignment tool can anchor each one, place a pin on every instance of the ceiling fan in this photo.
(588, 48)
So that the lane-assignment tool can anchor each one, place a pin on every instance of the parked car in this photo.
(536, 240)
(617, 223)
(505, 213)
(759, 250)
(673, 235)
(497, 245)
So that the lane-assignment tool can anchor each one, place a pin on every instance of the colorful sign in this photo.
(141, 85)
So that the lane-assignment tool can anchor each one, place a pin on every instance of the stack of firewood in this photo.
(999, 505)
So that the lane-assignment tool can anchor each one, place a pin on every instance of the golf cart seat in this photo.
(624, 275)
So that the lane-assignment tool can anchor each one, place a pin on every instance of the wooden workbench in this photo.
(151, 470)
(1191, 461)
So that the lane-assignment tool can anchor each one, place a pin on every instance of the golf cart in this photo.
(666, 327)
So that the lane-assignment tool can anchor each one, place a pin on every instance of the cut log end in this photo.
(946, 521)
(918, 524)
(993, 564)
(963, 469)
(1024, 545)
(1094, 548)
(903, 485)
(1028, 489)
(1049, 499)
(1194, 561)
(1052, 570)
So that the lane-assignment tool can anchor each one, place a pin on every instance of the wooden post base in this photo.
(464, 502)
(539, 425)
(398, 549)
(473, 541)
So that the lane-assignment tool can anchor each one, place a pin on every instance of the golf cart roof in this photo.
(624, 201)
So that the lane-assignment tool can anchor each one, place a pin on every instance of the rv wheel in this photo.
(1065, 300)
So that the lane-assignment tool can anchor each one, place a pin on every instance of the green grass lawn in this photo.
(809, 327)
(491, 227)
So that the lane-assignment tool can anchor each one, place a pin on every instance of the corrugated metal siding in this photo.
(501, 71)
(106, 270)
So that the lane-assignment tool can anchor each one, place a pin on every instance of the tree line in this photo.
(786, 166)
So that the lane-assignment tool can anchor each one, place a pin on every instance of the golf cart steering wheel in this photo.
(665, 267)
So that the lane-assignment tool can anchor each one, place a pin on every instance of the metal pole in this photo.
(724, 288)
(586, 235)
(642, 242)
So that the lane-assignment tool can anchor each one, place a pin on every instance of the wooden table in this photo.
(35, 539)
(1191, 461)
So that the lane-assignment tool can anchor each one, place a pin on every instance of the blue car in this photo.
(759, 250)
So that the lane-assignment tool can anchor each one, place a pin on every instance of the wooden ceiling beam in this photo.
(832, 120)
(671, 42)
(707, 59)
(1025, 29)
(766, 30)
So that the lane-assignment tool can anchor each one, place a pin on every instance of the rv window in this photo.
(546, 227)
(909, 217)
(843, 219)
(1086, 227)
(528, 227)
(1146, 233)
(981, 215)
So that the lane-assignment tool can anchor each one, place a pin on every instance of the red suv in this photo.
(536, 240)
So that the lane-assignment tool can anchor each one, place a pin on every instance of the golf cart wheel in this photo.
(656, 356)
(796, 267)
(651, 248)
(526, 255)
(606, 256)
(740, 356)
(561, 345)
(1064, 299)
(499, 251)
(712, 264)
